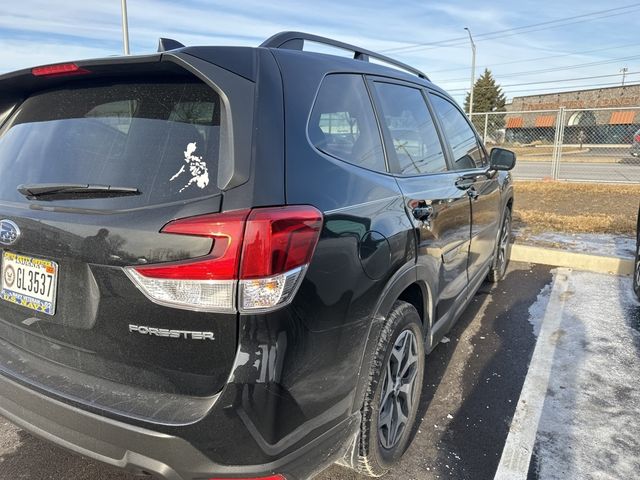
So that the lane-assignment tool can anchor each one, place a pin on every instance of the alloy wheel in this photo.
(398, 388)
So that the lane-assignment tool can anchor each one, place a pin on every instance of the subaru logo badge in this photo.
(9, 232)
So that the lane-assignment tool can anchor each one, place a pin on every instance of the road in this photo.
(584, 166)
(532, 348)
(603, 172)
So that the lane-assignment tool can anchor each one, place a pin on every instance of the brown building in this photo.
(599, 115)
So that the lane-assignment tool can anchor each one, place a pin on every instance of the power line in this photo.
(431, 72)
(546, 81)
(556, 26)
(458, 41)
(555, 69)
(566, 87)
(517, 30)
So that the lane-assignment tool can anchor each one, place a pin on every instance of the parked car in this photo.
(635, 146)
(219, 262)
(636, 276)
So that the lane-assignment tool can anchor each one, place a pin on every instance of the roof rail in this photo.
(295, 41)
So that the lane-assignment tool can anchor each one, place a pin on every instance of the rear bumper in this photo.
(141, 450)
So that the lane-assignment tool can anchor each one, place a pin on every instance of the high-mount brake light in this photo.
(258, 255)
(58, 70)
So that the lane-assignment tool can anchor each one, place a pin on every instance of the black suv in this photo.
(223, 262)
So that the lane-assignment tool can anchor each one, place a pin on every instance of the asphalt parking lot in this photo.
(543, 366)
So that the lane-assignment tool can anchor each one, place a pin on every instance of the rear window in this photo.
(161, 138)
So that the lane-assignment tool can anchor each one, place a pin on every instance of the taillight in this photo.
(226, 231)
(278, 245)
(260, 256)
(637, 137)
(58, 70)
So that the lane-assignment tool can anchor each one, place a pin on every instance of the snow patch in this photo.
(537, 310)
(594, 243)
(589, 424)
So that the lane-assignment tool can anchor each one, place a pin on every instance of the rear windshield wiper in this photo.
(44, 191)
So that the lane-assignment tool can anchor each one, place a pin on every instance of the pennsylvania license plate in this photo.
(29, 282)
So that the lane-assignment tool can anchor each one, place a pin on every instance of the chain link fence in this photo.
(588, 145)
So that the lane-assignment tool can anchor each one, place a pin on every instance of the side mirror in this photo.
(502, 159)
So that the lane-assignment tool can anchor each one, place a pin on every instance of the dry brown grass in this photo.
(577, 207)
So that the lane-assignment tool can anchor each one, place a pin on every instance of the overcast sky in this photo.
(603, 35)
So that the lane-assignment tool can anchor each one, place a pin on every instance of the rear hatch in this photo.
(92, 168)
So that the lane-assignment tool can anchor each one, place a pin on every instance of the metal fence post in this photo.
(557, 144)
(554, 151)
(486, 124)
(563, 115)
(603, 136)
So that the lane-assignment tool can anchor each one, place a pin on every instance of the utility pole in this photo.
(624, 71)
(125, 26)
(473, 70)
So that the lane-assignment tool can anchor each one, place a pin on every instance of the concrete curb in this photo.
(579, 261)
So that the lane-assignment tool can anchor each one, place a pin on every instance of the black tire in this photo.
(503, 249)
(636, 273)
(375, 451)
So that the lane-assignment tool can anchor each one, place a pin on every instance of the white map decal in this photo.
(197, 168)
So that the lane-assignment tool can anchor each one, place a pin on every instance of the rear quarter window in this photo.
(160, 137)
(343, 123)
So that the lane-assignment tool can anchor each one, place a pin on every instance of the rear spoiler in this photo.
(18, 85)
(23, 82)
(238, 60)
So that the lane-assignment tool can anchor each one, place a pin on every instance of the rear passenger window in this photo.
(467, 153)
(343, 124)
(415, 138)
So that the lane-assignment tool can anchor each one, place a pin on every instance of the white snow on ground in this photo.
(597, 243)
(537, 310)
(590, 422)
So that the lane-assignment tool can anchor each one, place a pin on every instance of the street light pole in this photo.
(473, 70)
(125, 26)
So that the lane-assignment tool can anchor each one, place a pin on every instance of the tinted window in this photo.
(467, 152)
(162, 138)
(343, 124)
(415, 139)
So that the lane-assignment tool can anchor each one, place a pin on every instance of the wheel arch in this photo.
(407, 286)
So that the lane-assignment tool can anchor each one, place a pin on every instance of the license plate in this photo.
(29, 282)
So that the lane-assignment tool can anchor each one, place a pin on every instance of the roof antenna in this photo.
(166, 44)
